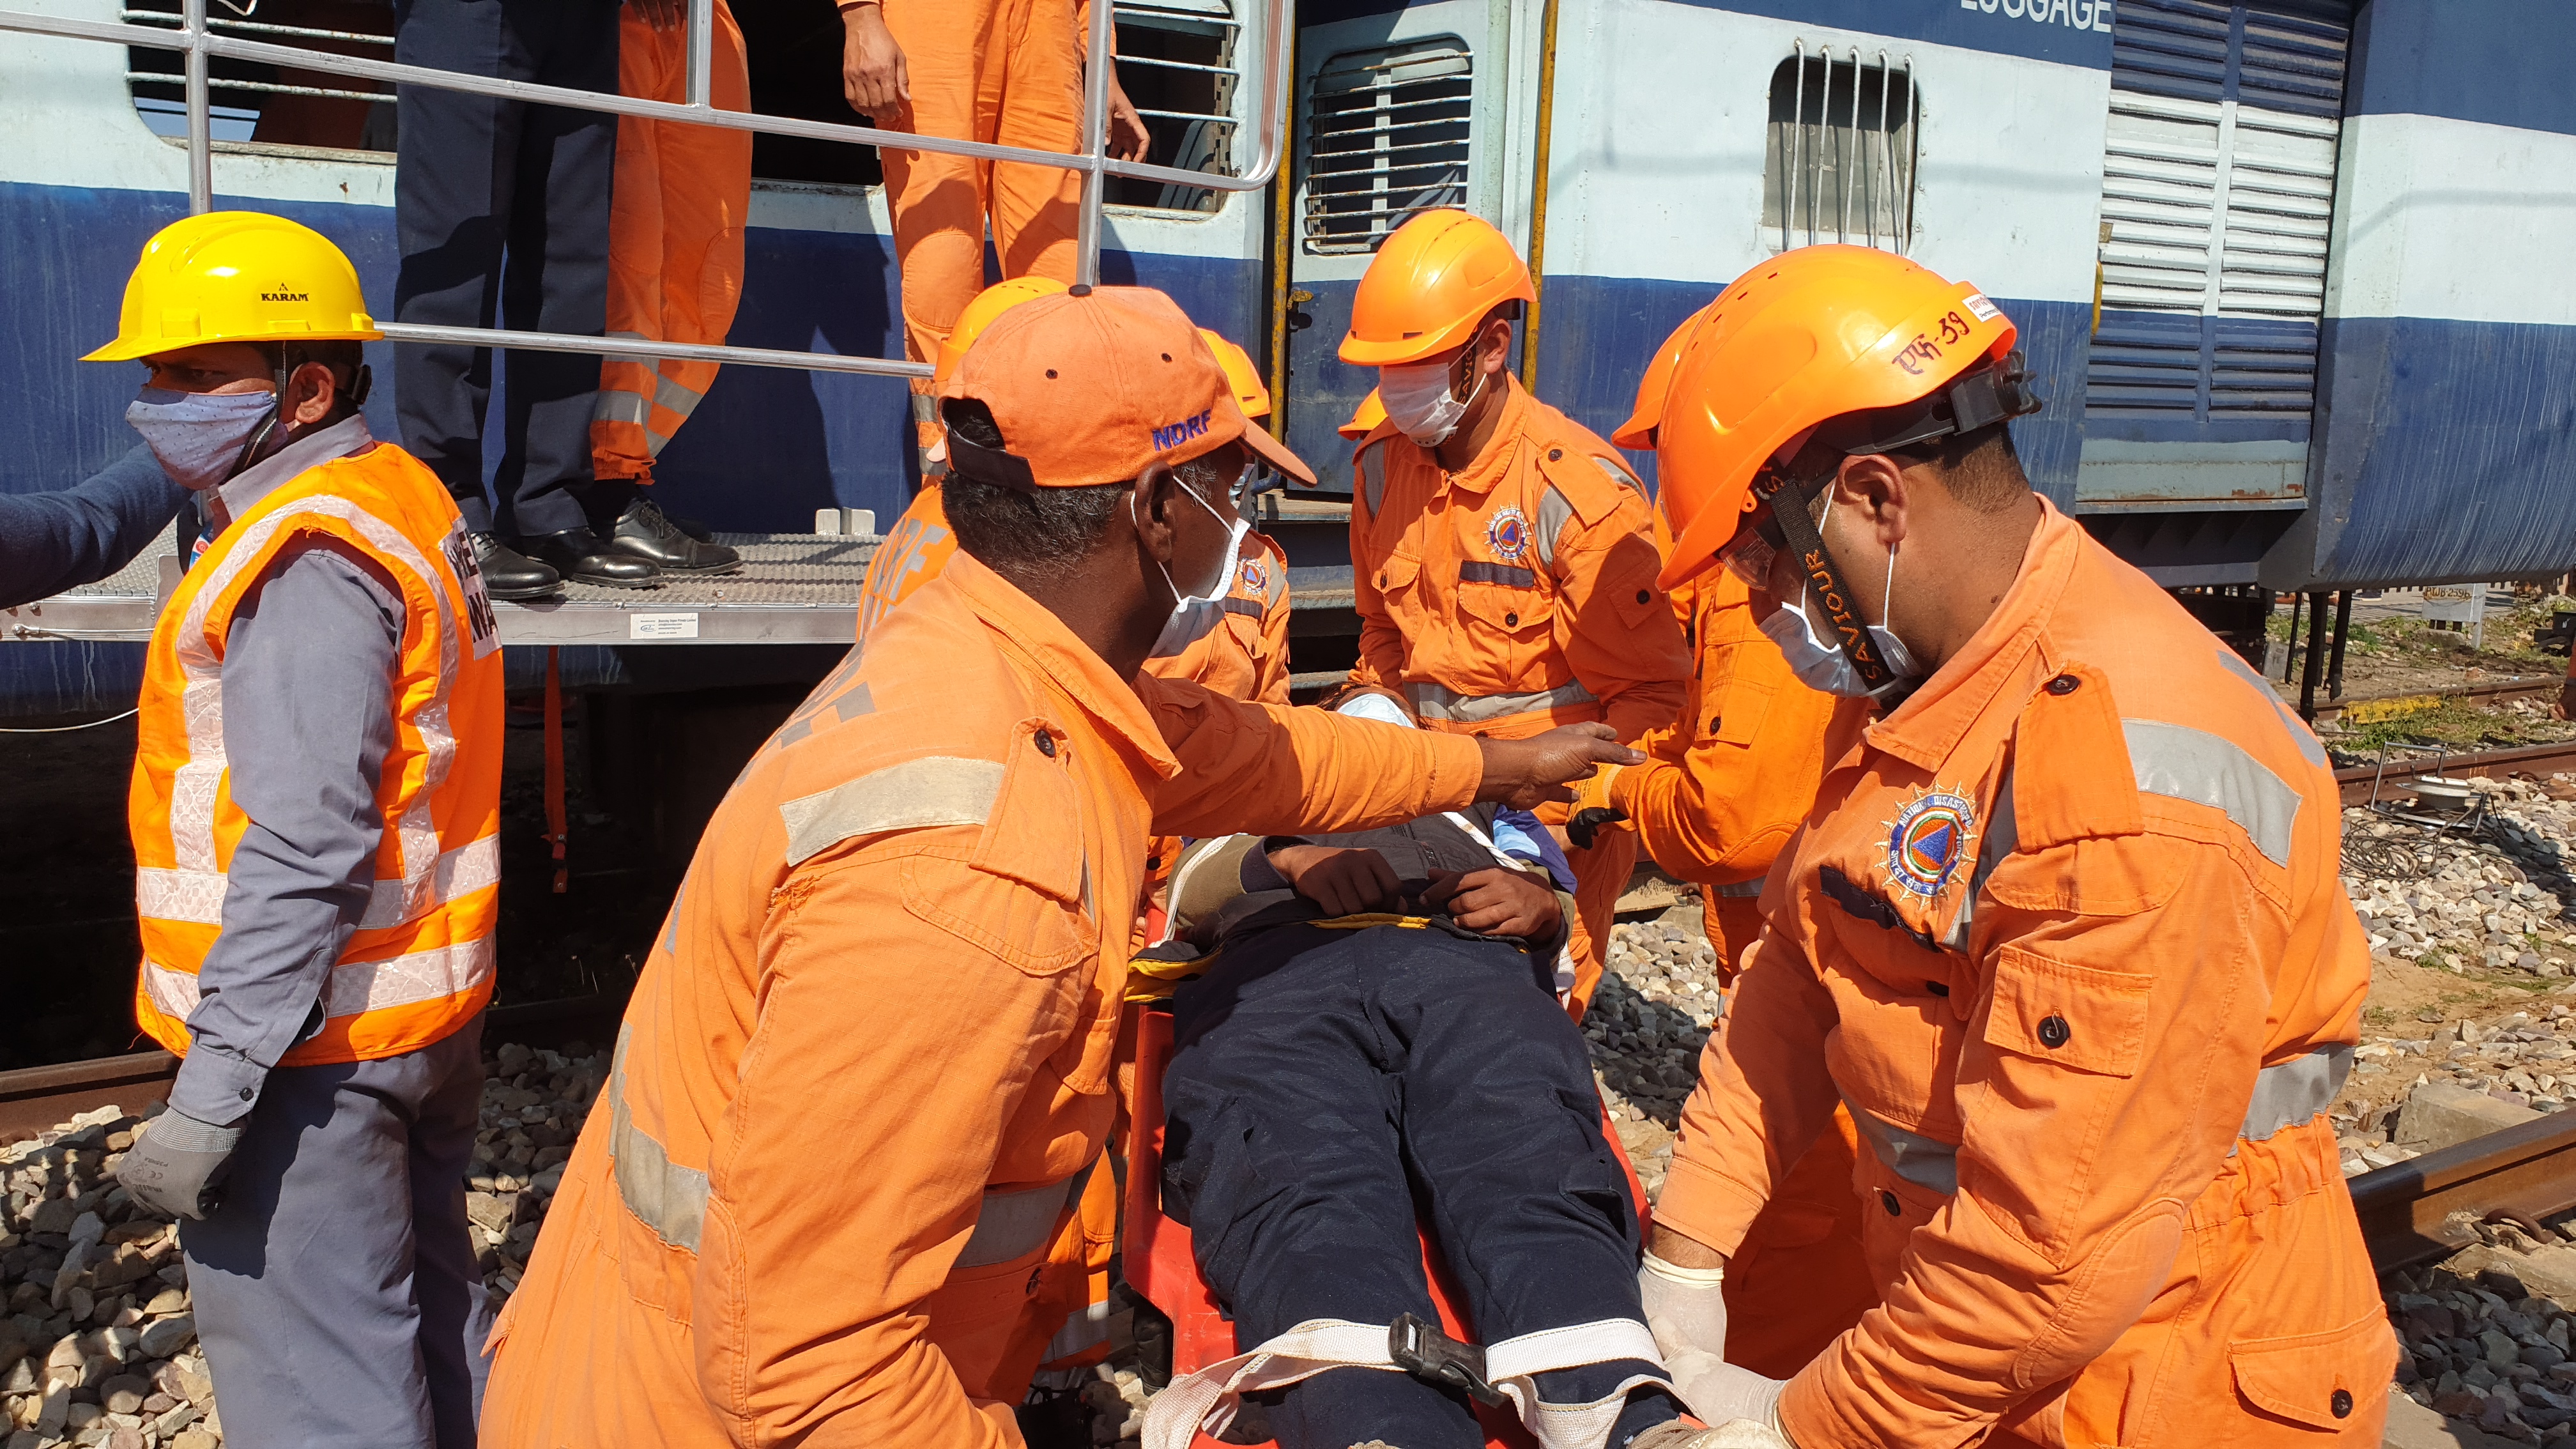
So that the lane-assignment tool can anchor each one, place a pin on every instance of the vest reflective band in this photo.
(420, 964)
(1434, 702)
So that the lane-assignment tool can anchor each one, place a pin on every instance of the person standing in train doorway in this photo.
(503, 210)
(2064, 932)
(316, 814)
(1502, 557)
(674, 273)
(1003, 72)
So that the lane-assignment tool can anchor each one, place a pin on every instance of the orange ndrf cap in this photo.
(1094, 386)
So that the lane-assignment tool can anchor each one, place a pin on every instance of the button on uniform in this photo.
(2053, 1031)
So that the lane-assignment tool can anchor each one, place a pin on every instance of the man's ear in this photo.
(1156, 496)
(1494, 345)
(310, 393)
(1875, 487)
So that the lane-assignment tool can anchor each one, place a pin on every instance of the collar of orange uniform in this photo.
(1501, 449)
(1928, 726)
(1027, 627)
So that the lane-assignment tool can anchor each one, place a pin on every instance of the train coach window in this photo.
(265, 103)
(1838, 163)
(1176, 61)
(1386, 136)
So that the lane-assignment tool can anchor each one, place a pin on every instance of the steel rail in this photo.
(647, 347)
(2355, 783)
(38, 1099)
(2424, 1208)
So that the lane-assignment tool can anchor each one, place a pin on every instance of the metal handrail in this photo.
(200, 45)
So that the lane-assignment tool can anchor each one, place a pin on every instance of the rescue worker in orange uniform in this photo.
(674, 272)
(1502, 558)
(1723, 789)
(2064, 930)
(867, 1065)
(315, 811)
(1003, 72)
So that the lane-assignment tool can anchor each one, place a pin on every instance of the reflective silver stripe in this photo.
(2294, 1091)
(2310, 749)
(1084, 1328)
(678, 397)
(355, 986)
(1430, 701)
(2183, 763)
(1933, 1166)
(664, 1196)
(198, 895)
(1373, 474)
(1015, 1224)
(616, 405)
(1742, 890)
(2002, 838)
(1553, 514)
(1619, 475)
(1510, 576)
(915, 795)
(195, 784)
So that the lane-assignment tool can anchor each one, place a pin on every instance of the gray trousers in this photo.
(335, 1288)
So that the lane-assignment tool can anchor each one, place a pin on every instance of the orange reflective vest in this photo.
(420, 964)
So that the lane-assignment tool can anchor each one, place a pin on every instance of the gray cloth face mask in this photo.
(202, 438)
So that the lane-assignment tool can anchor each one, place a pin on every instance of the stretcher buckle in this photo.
(1425, 1352)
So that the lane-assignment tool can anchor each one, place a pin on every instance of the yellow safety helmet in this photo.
(989, 303)
(237, 276)
(1249, 394)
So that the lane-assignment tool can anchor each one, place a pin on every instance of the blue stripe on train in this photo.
(767, 448)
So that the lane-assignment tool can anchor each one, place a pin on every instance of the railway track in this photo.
(35, 1099)
(2496, 693)
(2426, 1207)
(2357, 781)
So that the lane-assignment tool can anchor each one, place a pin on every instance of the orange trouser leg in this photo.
(979, 1320)
(1798, 1279)
(1071, 1307)
(1600, 875)
(674, 240)
(1733, 922)
(1038, 105)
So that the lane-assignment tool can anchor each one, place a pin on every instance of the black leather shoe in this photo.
(582, 557)
(510, 574)
(646, 532)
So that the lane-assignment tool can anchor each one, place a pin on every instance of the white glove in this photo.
(1685, 1307)
(1719, 1393)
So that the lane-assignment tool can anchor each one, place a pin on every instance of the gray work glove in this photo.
(175, 1167)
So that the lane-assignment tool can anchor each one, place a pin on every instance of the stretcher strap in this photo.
(1206, 1400)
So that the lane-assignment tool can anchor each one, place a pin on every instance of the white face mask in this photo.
(1192, 613)
(1420, 402)
(1823, 666)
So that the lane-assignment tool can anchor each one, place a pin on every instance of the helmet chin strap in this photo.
(1825, 581)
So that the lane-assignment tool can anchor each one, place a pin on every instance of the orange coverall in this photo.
(1517, 595)
(1723, 788)
(674, 240)
(1007, 72)
(870, 1054)
(2066, 935)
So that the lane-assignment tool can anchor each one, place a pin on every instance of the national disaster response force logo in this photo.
(1931, 834)
(1507, 534)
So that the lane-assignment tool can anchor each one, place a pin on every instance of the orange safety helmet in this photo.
(1429, 286)
(1249, 394)
(1639, 430)
(989, 303)
(1365, 418)
(1811, 336)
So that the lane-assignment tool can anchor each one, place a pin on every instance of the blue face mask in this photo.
(202, 438)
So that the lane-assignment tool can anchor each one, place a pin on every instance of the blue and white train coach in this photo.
(2297, 271)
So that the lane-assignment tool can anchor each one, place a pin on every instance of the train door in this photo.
(2217, 193)
(1398, 111)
